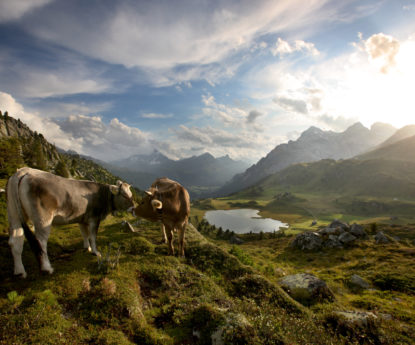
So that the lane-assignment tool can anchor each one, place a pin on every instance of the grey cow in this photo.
(47, 199)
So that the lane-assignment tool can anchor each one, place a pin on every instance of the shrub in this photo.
(139, 246)
(241, 255)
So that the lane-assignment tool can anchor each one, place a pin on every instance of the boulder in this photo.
(358, 231)
(307, 241)
(236, 240)
(359, 282)
(306, 288)
(331, 231)
(236, 330)
(338, 224)
(358, 318)
(347, 238)
(314, 222)
(381, 238)
(333, 242)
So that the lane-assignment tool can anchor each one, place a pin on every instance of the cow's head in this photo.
(149, 207)
(123, 197)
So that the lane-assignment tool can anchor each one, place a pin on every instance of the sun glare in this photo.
(370, 94)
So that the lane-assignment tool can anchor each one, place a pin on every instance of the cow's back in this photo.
(67, 200)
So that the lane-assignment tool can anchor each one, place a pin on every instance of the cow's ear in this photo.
(114, 189)
(148, 193)
(119, 183)
(157, 204)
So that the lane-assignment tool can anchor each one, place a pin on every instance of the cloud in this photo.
(227, 115)
(252, 116)
(282, 48)
(105, 141)
(180, 41)
(47, 127)
(88, 135)
(292, 105)
(67, 75)
(15, 9)
(338, 123)
(156, 116)
(239, 145)
(382, 48)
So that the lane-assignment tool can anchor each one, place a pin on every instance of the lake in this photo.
(242, 221)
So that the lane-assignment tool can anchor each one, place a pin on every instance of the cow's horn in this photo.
(149, 193)
(157, 204)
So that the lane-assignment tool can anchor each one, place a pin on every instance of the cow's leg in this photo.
(84, 232)
(182, 229)
(169, 232)
(42, 232)
(92, 232)
(16, 240)
(163, 231)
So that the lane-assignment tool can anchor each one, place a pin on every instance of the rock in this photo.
(307, 241)
(347, 238)
(332, 242)
(358, 231)
(331, 231)
(381, 238)
(358, 281)
(236, 330)
(385, 316)
(338, 224)
(314, 222)
(279, 272)
(358, 318)
(306, 288)
(236, 240)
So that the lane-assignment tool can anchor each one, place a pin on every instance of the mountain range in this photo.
(313, 145)
(204, 171)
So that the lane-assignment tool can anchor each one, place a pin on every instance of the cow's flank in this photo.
(169, 203)
(47, 199)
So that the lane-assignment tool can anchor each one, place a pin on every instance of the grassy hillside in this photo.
(138, 294)
(402, 150)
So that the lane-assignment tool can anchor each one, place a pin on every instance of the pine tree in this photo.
(38, 157)
(10, 156)
(61, 169)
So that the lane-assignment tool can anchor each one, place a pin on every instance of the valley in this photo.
(229, 285)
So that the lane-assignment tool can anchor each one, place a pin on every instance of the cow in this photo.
(46, 199)
(167, 202)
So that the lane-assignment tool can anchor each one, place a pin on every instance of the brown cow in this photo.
(47, 200)
(169, 203)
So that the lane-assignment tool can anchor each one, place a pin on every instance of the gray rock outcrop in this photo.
(359, 282)
(306, 288)
(381, 238)
(307, 241)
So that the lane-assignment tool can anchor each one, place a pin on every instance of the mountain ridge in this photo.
(312, 145)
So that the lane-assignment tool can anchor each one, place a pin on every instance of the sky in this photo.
(111, 79)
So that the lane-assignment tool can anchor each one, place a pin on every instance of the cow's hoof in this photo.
(98, 254)
(47, 272)
(22, 275)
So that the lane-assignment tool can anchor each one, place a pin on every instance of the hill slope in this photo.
(313, 145)
(20, 146)
(400, 134)
(402, 150)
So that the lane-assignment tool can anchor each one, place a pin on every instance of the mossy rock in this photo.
(139, 246)
(112, 337)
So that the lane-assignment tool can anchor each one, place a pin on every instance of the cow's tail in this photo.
(15, 211)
